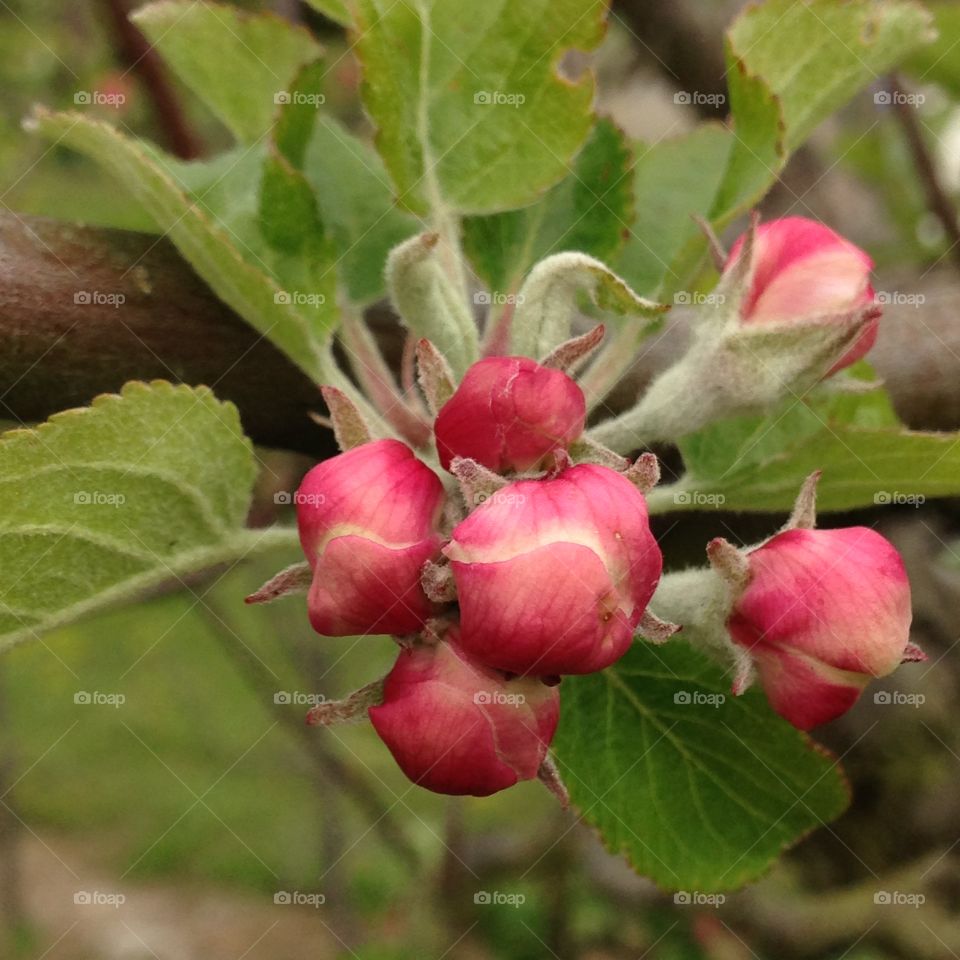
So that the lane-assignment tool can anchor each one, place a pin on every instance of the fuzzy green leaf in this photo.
(698, 789)
(758, 463)
(938, 62)
(471, 112)
(549, 300)
(240, 64)
(105, 502)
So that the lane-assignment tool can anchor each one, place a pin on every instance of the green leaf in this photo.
(210, 211)
(356, 201)
(298, 116)
(758, 463)
(288, 216)
(673, 180)
(700, 795)
(588, 211)
(103, 503)
(289, 220)
(240, 64)
(790, 65)
(268, 214)
(471, 112)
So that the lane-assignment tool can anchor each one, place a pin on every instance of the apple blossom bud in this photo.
(368, 523)
(801, 270)
(824, 612)
(554, 575)
(455, 726)
(510, 413)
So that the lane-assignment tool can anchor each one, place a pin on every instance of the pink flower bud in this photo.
(803, 270)
(455, 726)
(368, 523)
(553, 575)
(509, 413)
(824, 612)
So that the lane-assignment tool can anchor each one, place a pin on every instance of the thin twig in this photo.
(138, 55)
(938, 200)
(329, 764)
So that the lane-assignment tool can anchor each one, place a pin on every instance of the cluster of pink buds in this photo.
(492, 595)
(519, 550)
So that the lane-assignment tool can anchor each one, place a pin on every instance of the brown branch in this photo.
(57, 353)
(136, 53)
(938, 200)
